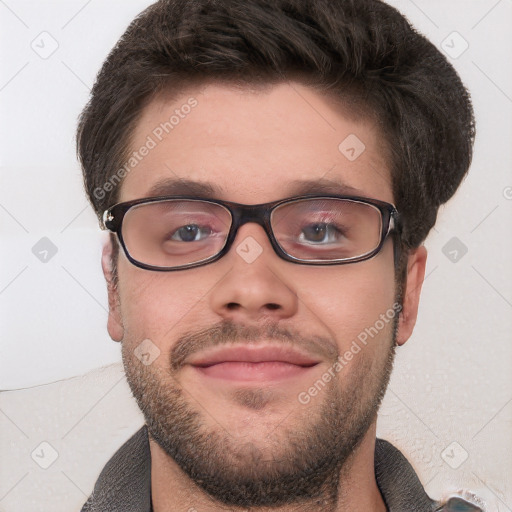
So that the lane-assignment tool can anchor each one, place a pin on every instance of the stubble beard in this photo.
(300, 464)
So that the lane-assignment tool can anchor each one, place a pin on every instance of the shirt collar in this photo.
(125, 482)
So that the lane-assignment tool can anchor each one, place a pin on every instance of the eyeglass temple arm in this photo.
(106, 221)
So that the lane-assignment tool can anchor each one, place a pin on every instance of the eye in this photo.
(190, 233)
(321, 232)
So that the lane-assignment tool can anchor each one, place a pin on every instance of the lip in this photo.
(257, 364)
(253, 354)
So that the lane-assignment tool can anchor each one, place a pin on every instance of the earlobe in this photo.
(411, 294)
(114, 323)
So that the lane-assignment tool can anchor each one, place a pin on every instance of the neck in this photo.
(172, 489)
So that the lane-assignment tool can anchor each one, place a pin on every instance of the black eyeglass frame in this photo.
(259, 213)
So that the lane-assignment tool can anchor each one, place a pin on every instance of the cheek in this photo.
(157, 305)
(349, 300)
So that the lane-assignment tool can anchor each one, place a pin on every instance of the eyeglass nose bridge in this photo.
(258, 214)
(243, 214)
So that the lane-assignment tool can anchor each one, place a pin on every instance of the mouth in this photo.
(249, 363)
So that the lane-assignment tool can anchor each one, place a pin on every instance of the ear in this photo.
(411, 294)
(114, 324)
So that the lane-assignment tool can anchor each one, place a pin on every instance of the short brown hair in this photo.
(363, 46)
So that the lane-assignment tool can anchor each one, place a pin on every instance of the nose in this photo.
(254, 285)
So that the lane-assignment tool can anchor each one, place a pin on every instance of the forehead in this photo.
(252, 146)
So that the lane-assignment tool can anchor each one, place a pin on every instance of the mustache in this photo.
(227, 332)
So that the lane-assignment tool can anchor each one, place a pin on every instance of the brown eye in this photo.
(317, 233)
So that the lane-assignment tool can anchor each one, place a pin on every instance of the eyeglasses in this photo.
(175, 233)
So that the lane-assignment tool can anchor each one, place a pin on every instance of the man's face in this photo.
(254, 440)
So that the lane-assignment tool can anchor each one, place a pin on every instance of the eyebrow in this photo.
(185, 187)
(208, 190)
(322, 186)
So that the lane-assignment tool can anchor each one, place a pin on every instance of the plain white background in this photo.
(452, 380)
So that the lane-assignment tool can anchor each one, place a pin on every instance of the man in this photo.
(268, 171)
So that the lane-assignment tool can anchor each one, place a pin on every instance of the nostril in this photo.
(232, 305)
(273, 306)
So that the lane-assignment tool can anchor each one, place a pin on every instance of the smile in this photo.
(254, 363)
